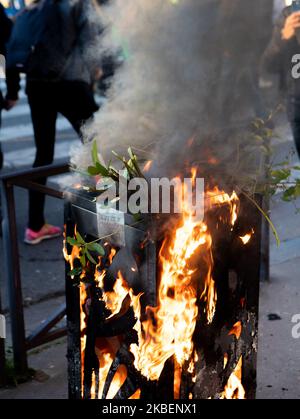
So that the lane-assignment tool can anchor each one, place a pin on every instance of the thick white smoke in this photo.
(168, 90)
(158, 94)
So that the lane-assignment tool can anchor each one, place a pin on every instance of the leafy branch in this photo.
(130, 165)
(85, 252)
(281, 179)
(273, 228)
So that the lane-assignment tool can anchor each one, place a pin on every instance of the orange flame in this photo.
(190, 142)
(106, 350)
(117, 382)
(75, 254)
(234, 388)
(114, 300)
(213, 161)
(93, 387)
(170, 334)
(83, 324)
(167, 330)
(177, 381)
(236, 330)
(148, 166)
(136, 395)
(111, 256)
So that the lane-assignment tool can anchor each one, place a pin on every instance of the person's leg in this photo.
(296, 134)
(293, 111)
(1, 153)
(43, 116)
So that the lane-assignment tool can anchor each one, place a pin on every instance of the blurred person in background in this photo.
(242, 31)
(5, 30)
(61, 65)
(13, 7)
(277, 59)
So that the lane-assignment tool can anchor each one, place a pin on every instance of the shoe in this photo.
(46, 232)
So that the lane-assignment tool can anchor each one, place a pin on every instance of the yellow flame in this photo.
(217, 197)
(75, 254)
(93, 387)
(246, 239)
(175, 316)
(117, 382)
(234, 388)
(106, 350)
(83, 324)
(167, 329)
(113, 300)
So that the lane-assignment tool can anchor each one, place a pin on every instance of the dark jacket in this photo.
(78, 16)
(277, 58)
(5, 29)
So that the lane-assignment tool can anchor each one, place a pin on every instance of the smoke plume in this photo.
(188, 87)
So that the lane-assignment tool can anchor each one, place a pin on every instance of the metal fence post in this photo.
(265, 246)
(13, 277)
(25, 179)
(2, 356)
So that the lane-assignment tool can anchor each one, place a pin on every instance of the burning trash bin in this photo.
(168, 310)
(167, 306)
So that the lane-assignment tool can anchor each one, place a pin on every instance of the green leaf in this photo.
(265, 150)
(75, 272)
(101, 170)
(95, 156)
(79, 238)
(268, 132)
(137, 217)
(258, 123)
(280, 175)
(258, 139)
(90, 257)
(289, 194)
(131, 154)
(83, 260)
(283, 163)
(72, 241)
(93, 171)
(96, 247)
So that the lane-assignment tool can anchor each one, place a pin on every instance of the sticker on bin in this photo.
(2, 327)
(111, 225)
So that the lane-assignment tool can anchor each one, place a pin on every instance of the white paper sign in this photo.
(111, 225)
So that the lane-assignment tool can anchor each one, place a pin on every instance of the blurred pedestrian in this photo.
(277, 59)
(5, 30)
(52, 42)
(242, 31)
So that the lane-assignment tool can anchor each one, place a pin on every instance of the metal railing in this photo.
(21, 343)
